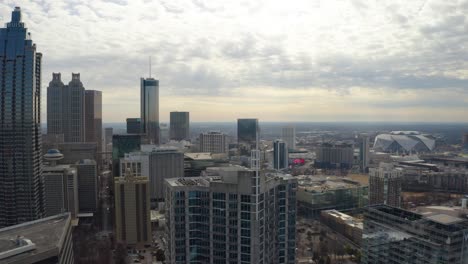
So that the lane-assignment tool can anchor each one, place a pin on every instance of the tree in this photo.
(160, 255)
(121, 253)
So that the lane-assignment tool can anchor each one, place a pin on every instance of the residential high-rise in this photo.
(93, 117)
(149, 103)
(47, 240)
(179, 126)
(133, 125)
(280, 155)
(221, 218)
(21, 197)
(363, 152)
(87, 186)
(393, 235)
(60, 186)
(247, 130)
(122, 144)
(158, 163)
(288, 135)
(385, 185)
(213, 142)
(132, 209)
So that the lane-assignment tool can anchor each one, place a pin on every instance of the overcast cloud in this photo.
(310, 60)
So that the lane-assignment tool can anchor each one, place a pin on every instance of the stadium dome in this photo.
(404, 142)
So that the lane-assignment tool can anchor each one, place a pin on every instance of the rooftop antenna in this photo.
(150, 66)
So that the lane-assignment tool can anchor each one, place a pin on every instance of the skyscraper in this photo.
(149, 103)
(93, 117)
(132, 209)
(247, 130)
(363, 152)
(393, 235)
(21, 193)
(213, 142)
(280, 155)
(87, 185)
(66, 108)
(385, 185)
(220, 218)
(288, 135)
(179, 126)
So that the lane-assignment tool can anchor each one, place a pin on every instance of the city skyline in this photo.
(300, 61)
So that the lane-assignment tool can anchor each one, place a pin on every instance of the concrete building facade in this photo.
(213, 142)
(132, 209)
(93, 117)
(87, 186)
(179, 128)
(288, 135)
(158, 163)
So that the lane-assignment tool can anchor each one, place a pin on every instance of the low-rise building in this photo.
(344, 224)
(47, 240)
(318, 193)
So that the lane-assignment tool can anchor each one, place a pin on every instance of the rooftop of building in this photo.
(319, 183)
(199, 156)
(349, 220)
(25, 242)
(444, 221)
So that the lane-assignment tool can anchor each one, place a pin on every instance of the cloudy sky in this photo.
(294, 60)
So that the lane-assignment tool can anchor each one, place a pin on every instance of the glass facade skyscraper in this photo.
(93, 117)
(21, 193)
(149, 97)
(280, 155)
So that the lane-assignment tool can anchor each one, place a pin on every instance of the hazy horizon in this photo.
(301, 61)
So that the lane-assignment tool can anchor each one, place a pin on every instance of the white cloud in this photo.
(215, 50)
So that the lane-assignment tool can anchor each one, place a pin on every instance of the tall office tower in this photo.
(213, 142)
(158, 163)
(221, 218)
(66, 108)
(385, 185)
(93, 117)
(21, 197)
(393, 235)
(55, 105)
(132, 209)
(122, 144)
(47, 240)
(87, 185)
(363, 152)
(247, 130)
(179, 126)
(288, 135)
(133, 125)
(335, 156)
(60, 186)
(280, 155)
(149, 103)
